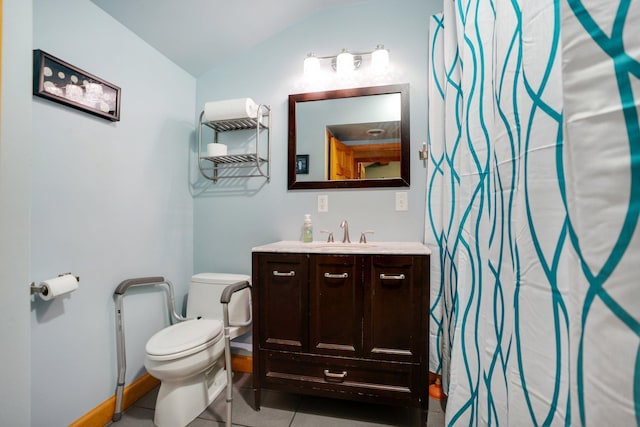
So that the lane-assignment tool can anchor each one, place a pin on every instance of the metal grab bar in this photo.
(120, 349)
(138, 281)
(225, 299)
(148, 281)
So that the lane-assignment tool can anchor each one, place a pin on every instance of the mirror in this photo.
(349, 138)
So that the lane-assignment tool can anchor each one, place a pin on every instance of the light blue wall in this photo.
(110, 201)
(232, 217)
(15, 150)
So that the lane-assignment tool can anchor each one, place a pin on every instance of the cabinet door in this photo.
(394, 308)
(335, 315)
(282, 299)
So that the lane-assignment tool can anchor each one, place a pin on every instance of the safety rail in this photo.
(122, 288)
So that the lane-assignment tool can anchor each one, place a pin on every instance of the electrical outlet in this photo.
(402, 201)
(323, 203)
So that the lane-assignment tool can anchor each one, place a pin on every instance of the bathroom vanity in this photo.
(345, 321)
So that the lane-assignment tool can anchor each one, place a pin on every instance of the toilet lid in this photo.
(184, 336)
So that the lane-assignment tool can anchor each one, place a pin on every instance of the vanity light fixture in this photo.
(380, 59)
(346, 62)
(311, 64)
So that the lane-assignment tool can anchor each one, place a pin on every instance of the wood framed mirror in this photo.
(349, 138)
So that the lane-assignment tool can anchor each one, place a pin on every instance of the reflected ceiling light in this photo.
(346, 62)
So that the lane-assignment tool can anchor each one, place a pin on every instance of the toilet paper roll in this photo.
(215, 149)
(230, 109)
(62, 285)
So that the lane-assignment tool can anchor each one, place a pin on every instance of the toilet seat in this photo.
(183, 339)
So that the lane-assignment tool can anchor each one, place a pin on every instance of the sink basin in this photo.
(320, 247)
(343, 245)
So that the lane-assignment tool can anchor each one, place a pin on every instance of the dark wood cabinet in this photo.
(335, 305)
(280, 303)
(350, 326)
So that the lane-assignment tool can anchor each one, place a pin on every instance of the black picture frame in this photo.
(302, 164)
(61, 82)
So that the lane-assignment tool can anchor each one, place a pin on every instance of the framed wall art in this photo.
(61, 82)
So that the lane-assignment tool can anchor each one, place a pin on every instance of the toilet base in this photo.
(181, 401)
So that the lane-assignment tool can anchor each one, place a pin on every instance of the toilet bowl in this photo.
(188, 357)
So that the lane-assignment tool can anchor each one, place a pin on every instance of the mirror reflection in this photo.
(349, 138)
(364, 150)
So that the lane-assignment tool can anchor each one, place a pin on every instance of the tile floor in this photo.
(286, 410)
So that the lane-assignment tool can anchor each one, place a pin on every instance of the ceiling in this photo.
(384, 131)
(199, 34)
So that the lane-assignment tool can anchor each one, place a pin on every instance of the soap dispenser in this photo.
(307, 229)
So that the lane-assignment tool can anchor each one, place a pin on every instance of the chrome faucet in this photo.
(345, 226)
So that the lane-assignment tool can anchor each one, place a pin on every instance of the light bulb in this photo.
(311, 65)
(344, 62)
(380, 59)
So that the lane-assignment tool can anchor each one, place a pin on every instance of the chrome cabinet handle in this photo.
(285, 274)
(336, 276)
(335, 376)
(391, 276)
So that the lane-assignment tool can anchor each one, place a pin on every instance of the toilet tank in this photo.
(205, 290)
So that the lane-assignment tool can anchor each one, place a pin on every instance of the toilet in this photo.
(188, 357)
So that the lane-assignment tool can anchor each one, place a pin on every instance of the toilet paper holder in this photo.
(41, 289)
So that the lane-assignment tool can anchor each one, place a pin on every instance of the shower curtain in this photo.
(533, 200)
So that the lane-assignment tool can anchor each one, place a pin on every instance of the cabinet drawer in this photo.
(308, 373)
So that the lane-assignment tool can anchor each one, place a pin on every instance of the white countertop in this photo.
(320, 247)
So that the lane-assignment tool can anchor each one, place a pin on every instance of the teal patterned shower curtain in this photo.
(533, 205)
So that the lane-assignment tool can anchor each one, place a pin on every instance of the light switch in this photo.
(323, 203)
(402, 201)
